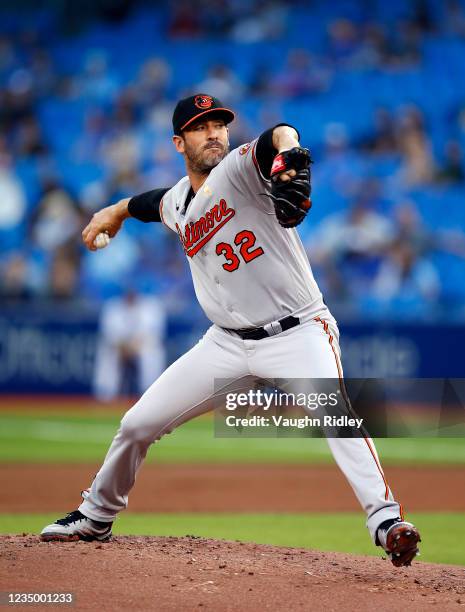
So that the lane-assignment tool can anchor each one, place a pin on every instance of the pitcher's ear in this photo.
(178, 142)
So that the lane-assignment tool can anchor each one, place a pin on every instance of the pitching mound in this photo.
(155, 573)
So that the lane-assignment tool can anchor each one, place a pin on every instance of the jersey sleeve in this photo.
(146, 206)
(167, 203)
(248, 167)
(265, 151)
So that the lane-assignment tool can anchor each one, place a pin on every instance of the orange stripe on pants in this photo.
(349, 408)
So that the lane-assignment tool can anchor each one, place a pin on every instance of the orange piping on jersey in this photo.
(347, 401)
(254, 159)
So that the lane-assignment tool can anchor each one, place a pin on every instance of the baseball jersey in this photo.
(247, 270)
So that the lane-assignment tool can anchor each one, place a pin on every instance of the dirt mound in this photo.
(190, 573)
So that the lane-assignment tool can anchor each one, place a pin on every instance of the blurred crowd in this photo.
(74, 138)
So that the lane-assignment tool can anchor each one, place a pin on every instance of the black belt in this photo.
(270, 329)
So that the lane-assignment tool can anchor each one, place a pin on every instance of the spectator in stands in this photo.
(29, 140)
(88, 147)
(130, 351)
(153, 82)
(124, 181)
(103, 272)
(222, 83)
(97, 82)
(57, 219)
(343, 41)
(374, 49)
(243, 132)
(64, 275)
(349, 246)
(216, 16)
(418, 165)
(301, 75)
(14, 279)
(43, 72)
(408, 284)
(121, 153)
(266, 20)
(422, 16)
(341, 167)
(8, 55)
(405, 281)
(384, 139)
(259, 83)
(404, 45)
(410, 229)
(12, 199)
(452, 171)
(162, 169)
(360, 46)
(125, 115)
(454, 18)
(184, 20)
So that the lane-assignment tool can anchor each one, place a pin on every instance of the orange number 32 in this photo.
(246, 241)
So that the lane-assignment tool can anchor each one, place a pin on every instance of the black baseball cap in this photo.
(189, 109)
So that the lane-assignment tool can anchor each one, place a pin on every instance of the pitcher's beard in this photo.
(202, 162)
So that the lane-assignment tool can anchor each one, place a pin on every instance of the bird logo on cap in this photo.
(203, 101)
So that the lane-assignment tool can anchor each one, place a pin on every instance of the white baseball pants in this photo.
(186, 389)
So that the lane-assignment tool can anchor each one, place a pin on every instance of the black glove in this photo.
(291, 198)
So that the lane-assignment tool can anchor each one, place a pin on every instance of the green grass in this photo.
(51, 436)
(344, 532)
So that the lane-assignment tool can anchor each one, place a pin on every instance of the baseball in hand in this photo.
(102, 240)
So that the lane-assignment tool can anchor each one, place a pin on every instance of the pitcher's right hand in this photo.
(110, 220)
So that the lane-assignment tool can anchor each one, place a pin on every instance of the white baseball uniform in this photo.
(138, 322)
(248, 271)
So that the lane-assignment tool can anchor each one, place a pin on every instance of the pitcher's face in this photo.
(204, 144)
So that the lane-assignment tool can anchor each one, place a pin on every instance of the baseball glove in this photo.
(291, 198)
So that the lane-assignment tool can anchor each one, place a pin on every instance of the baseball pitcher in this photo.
(235, 214)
